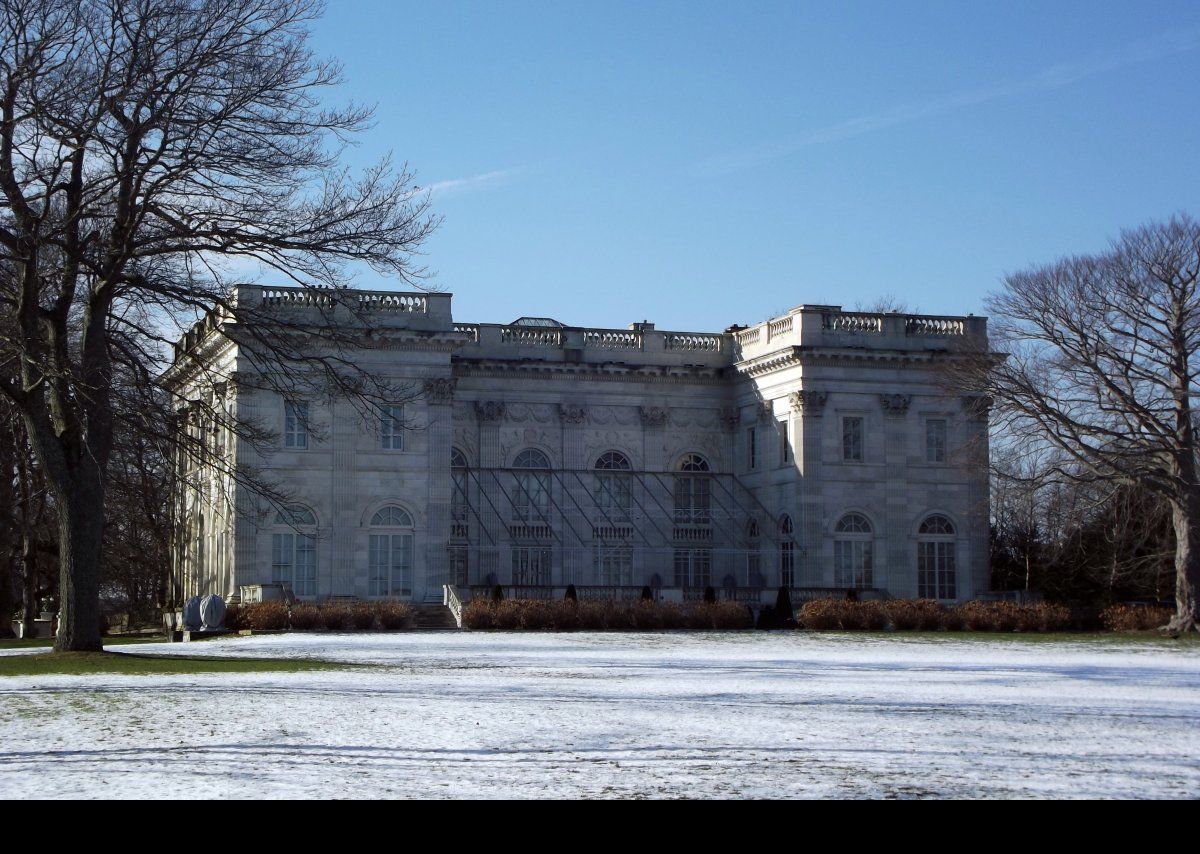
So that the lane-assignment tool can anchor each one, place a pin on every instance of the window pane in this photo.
(391, 428)
(935, 441)
(852, 439)
(295, 424)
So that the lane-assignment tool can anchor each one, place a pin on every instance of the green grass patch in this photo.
(47, 643)
(132, 664)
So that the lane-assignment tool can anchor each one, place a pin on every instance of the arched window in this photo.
(390, 553)
(936, 571)
(787, 552)
(612, 484)
(853, 552)
(693, 491)
(531, 497)
(460, 502)
(754, 576)
(294, 550)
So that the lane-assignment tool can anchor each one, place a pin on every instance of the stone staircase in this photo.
(431, 617)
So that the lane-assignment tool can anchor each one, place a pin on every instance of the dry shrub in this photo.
(335, 618)
(394, 616)
(904, 615)
(264, 616)
(477, 614)
(506, 614)
(565, 615)
(362, 616)
(1135, 618)
(235, 618)
(306, 617)
(820, 615)
(978, 616)
(731, 616)
(953, 619)
(648, 616)
(874, 616)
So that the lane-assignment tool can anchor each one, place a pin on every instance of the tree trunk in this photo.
(80, 537)
(29, 582)
(1186, 518)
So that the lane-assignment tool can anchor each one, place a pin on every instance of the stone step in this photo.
(427, 616)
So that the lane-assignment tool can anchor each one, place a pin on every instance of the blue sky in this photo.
(700, 164)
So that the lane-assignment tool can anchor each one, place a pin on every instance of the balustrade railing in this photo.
(531, 335)
(694, 341)
(934, 326)
(612, 339)
(471, 330)
(852, 321)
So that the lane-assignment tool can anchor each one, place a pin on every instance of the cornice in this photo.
(797, 356)
(607, 372)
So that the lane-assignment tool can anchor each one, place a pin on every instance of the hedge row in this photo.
(1135, 618)
(928, 616)
(565, 615)
(334, 617)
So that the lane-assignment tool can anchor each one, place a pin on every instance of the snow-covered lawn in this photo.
(509, 715)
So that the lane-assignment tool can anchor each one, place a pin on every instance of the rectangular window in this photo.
(693, 567)
(613, 495)
(531, 567)
(754, 570)
(459, 566)
(613, 566)
(752, 448)
(935, 440)
(693, 500)
(787, 563)
(460, 507)
(294, 562)
(391, 428)
(852, 439)
(785, 442)
(853, 563)
(295, 424)
(390, 563)
(936, 577)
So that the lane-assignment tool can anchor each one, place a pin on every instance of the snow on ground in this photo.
(595, 715)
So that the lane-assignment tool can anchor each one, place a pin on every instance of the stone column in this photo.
(336, 548)
(898, 570)
(489, 415)
(807, 407)
(575, 564)
(247, 569)
(439, 431)
(654, 421)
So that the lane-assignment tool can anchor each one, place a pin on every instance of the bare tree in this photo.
(1101, 370)
(144, 146)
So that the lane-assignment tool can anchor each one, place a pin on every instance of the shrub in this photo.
(571, 593)
(647, 594)
(647, 616)
(953, 619)
(731, 616)
(497, 593)
(904, 615)
(235, 619)
(264, 616)
(506, 614)
(1135, 618)
(362, 616)
(710, 596)
(394, 616)
(874, 617)
(477, 614)
(306, 617)
(820, 615)
(335, 618)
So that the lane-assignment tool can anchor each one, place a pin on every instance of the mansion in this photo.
(818, 450)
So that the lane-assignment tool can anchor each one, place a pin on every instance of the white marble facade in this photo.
(818, 450)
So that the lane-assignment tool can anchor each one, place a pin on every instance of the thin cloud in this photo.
(1054, 77)
(475, 183)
